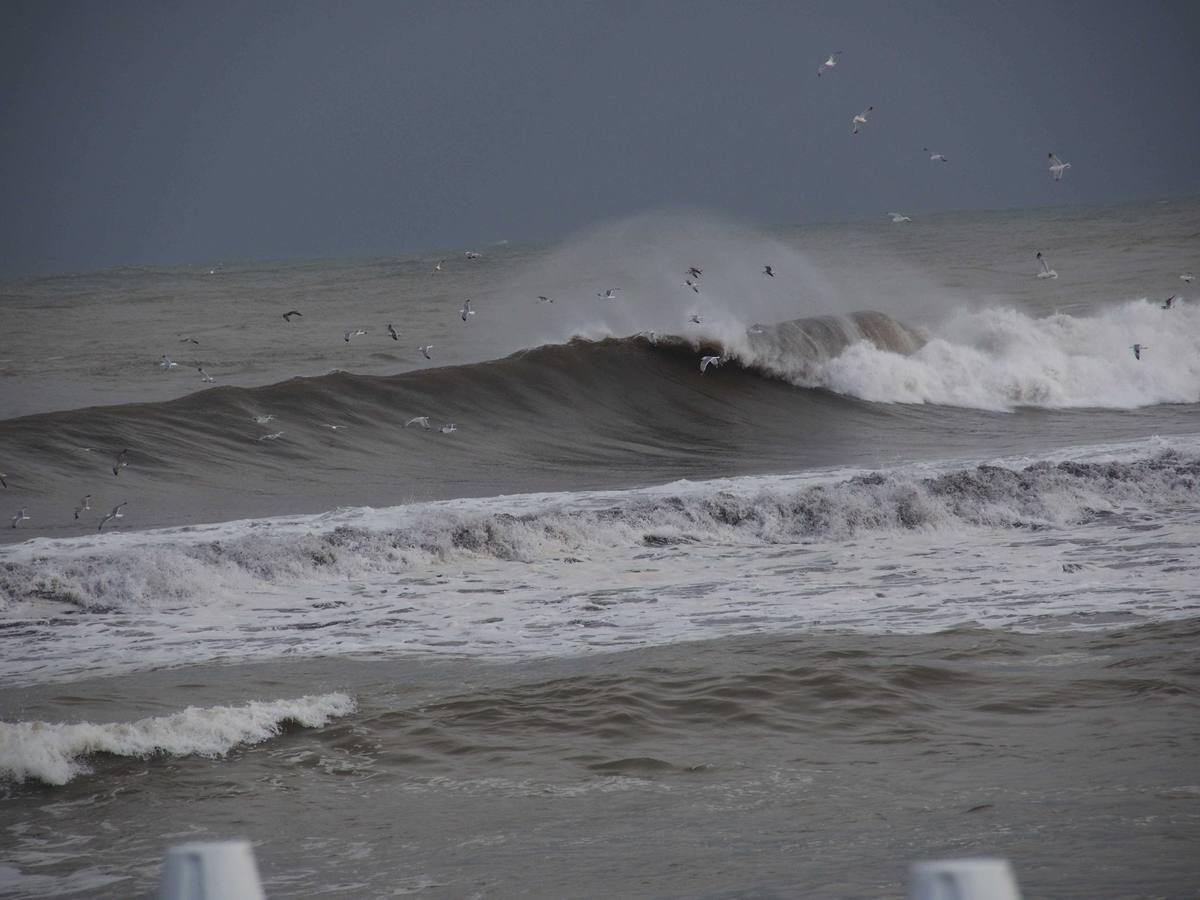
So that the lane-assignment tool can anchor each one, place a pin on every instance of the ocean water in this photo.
(912, 572)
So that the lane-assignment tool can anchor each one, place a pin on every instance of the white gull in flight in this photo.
(1057, 167)
(115, 514)
(829, 63)
(1046, 272)
(860, 120)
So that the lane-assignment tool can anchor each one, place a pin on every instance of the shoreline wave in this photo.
(54, 752)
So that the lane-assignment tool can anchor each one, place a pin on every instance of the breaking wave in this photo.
(174, 567)
(56, 752)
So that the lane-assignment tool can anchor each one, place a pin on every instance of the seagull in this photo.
(1057, 167)
(757, 329)
(695, 271)
(263, 420)
(693, 285)
(860, 120)
(610, 294)
(446, 429)
(20, 517)
(287, 316)
(352, 334)
(425, 350)
(695, 319)
(115, 514)
(438, 267)
(466, 310)
(542, 299)
(188, 340)
(897, 218)
(84, 504)
(706, 361)
(121, 462)
(471, 254)
(204, 376)
(829, 63)
(165, 363)
(423, 421)
(270, 437)
(1137, 350)
(1046, 272)
(1188, 277)
(934, 157)
(768, 270)
(392, 332)
(2, 481)
(1169, 302)
(332, 427)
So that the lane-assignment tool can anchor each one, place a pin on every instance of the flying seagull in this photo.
(1046, 272)
(829, 63)
(188, 340)
(466, 309)
(115, 514)
(1188, 277)
(287, 316)
(263, 420)
(121, 462)
(19, 518)
(1057, 167)
(447, 429)
(423, 421)
(204, 376)
(438, 267)
(543, 299)
(695, 319)
(695, 271)
(934, 157)
(392, 332)
(352, 334)
(83, 505)
(425, 350)
(706, 361)
(270, 437)
(2, 481)
(1137, 350)
(1169, 302)
(860, 120)
(610, 294)
(471, 254)
(692, 284)
(897, 218)
(768, 270)
(332, 427)
(166, 363)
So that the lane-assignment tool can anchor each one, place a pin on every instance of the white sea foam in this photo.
(1001, 358)
(55, 752)
(917, 548)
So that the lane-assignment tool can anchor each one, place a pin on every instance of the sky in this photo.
(166, 132)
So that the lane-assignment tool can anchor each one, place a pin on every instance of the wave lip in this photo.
(53, 752)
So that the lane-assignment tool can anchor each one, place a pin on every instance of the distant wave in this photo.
(169, 568)
(55, 752)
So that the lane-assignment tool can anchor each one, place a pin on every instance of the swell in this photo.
(590, 412)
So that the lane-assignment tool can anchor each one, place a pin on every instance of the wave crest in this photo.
(54, 752)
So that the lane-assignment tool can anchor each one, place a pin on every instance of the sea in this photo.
(908, 569)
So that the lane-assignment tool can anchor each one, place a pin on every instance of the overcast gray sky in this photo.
(161, 132)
